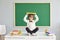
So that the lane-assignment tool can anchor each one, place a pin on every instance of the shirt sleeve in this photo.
(25, 18)
(36, 18)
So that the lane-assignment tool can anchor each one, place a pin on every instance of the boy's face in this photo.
(31, 17)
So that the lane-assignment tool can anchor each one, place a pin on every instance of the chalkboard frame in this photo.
(23, 26)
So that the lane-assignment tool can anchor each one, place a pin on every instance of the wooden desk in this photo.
(25, 37)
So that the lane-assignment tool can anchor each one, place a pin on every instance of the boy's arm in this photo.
(36, 18)
(25, 18)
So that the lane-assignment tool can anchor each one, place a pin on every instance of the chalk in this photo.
(31, 13)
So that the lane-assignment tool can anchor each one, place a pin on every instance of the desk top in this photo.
(41, 34)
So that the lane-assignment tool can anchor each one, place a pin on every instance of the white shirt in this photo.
(31, 25)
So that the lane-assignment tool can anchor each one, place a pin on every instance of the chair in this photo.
(2, 31)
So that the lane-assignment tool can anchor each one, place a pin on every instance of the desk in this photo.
(41, 36)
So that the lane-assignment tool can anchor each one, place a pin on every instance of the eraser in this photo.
(31, 13)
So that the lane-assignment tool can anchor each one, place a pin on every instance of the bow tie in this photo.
(30, 21)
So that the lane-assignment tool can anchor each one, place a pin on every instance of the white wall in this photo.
(7, 15)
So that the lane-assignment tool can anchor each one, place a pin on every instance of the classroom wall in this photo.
(7, 15)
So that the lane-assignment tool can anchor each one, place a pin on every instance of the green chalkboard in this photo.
(41, 9)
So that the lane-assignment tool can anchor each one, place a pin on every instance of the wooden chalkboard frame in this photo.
(30, 2)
